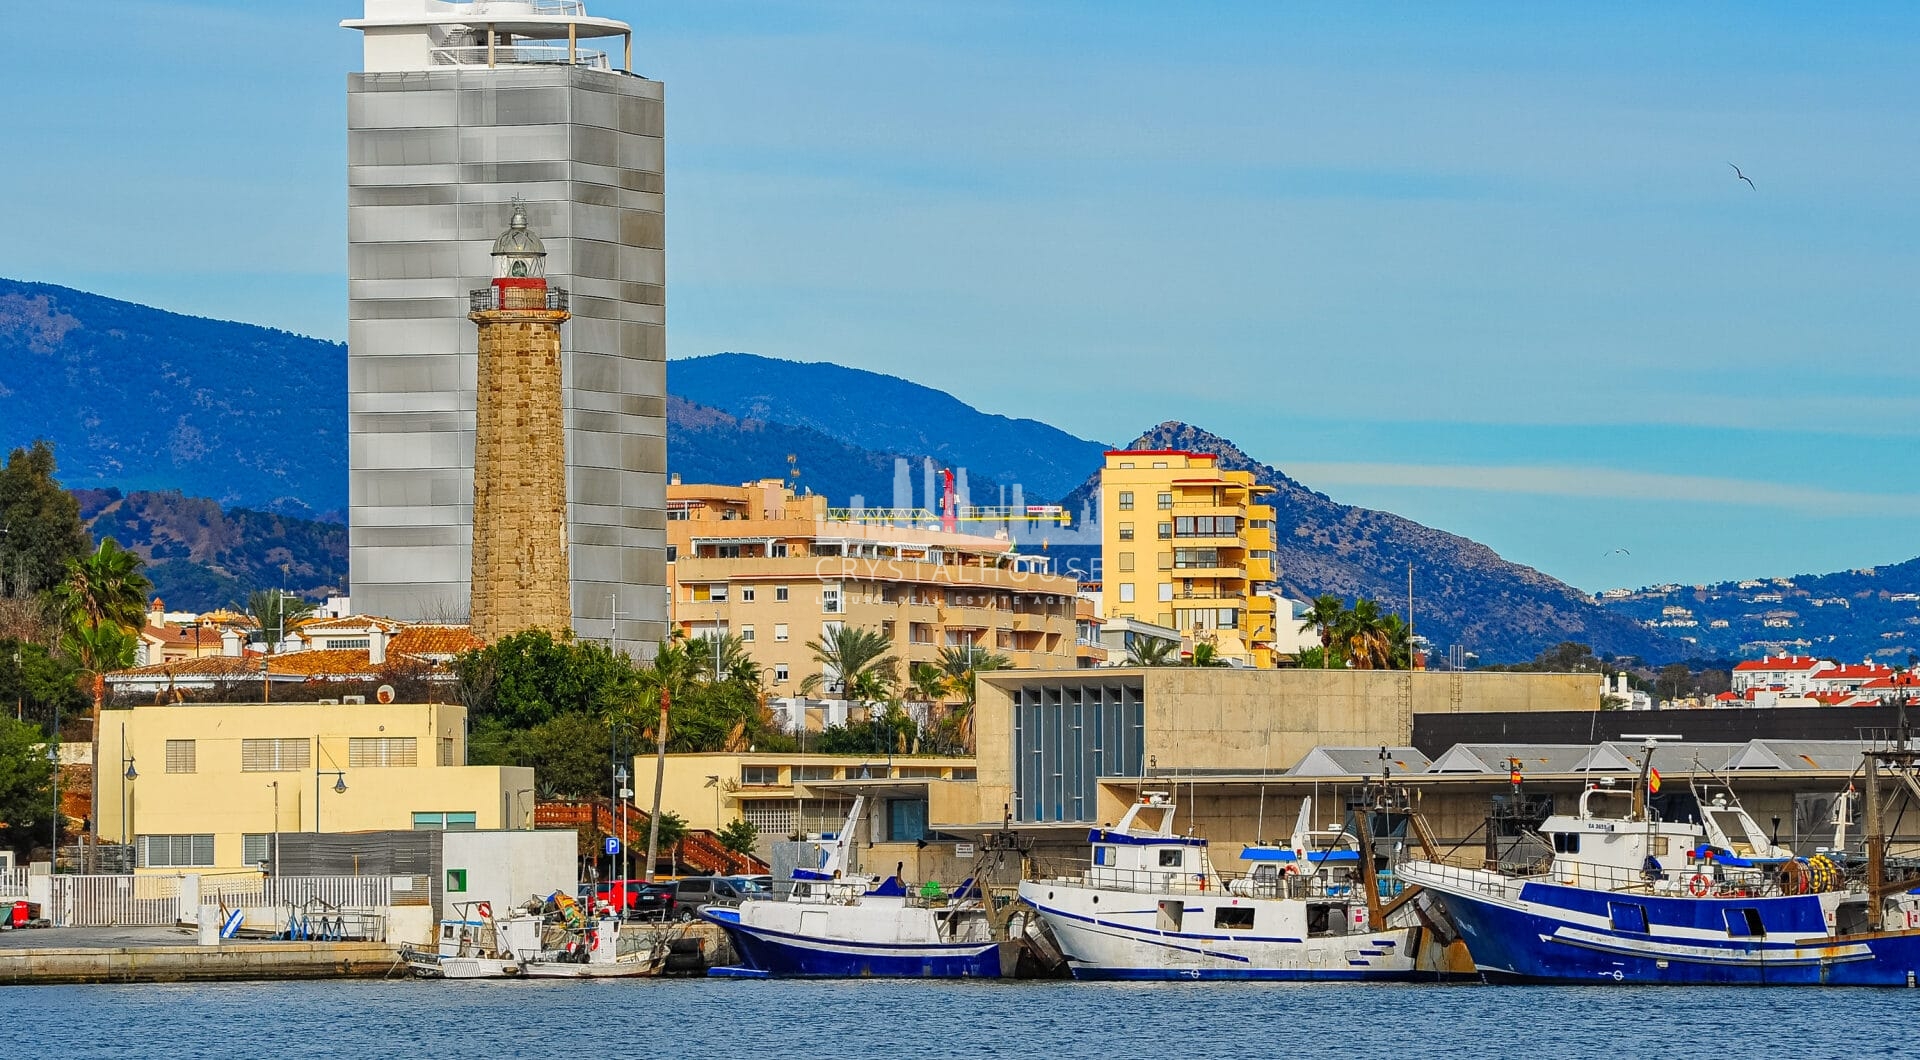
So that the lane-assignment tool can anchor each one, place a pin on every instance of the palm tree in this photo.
(1364, 634)
(277, 613)
(101, 604)
(1206, 653)
(963, 664)
(723, 657)
(1323, 616)
(1399, 643)
(1153, 651)
(860, 661)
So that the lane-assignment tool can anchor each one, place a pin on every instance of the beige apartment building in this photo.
(779, 569)
(1186, 545)
(206, 786)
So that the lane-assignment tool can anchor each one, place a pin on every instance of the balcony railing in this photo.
(520, 54)
(487, 299)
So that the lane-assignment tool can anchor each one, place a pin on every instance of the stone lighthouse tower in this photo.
(520, 576)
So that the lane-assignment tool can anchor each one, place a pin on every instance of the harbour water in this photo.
(901, 1020)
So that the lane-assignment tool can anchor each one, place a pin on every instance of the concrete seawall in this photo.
(174, 964)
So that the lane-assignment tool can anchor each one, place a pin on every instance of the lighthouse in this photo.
(520, 571)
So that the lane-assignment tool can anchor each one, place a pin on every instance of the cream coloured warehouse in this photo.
(205, 786)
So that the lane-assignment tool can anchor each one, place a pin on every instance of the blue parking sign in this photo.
(613, 846)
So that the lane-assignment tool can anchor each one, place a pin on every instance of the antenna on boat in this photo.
(1648, 741)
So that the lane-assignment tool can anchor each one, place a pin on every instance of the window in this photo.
(1166, 591)
(1126, 465)
(968, 773)
(456, 881)
(255, 848)
(1160, 465)
(1103, 855)
(446, 751)
(1166, 531)
(452, 821)
(1126, 531)
(780, 628)
(175, 851)
(381, 752)
(779, 671)
(719, 592)
(1126, 592)
(779, 593)
(1126, 561)
(673, 553)
(1745, 923)
(1196, 557)
(1628, 916)
(359, 643)
(180, 756)
(828, 630)
(1163, 501)
(831, 602)
(275, 755)
(1126, 500)
(1233, 917)
(814, 773)
(761, 776)
(1566, 843)
(746, 594)
(1170, 859)
(746, 637)
(778, 550)
(906, 820)
(1172, 913)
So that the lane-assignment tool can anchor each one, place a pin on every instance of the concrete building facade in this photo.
(1187, 545)
(779, 569)
(206, 786)
(459, 108)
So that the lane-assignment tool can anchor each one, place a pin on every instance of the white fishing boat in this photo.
(473, 944)
(838, 923)
(606, 950)
(1151, 905)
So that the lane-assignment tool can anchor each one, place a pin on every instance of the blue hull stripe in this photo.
(784, 955)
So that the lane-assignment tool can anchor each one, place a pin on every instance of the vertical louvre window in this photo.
(175, 851)
(180, 756)
(381, 752)
(446, 751)
(275, 755)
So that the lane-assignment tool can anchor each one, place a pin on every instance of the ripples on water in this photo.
(892, 1020)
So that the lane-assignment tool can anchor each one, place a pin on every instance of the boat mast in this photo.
(1876, 844)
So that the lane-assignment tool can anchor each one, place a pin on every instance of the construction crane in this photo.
(951, 515)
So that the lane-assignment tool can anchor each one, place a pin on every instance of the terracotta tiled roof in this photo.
(349, 624)
(433, 640)
(342, 662)
(1780, 662)
(205, 666)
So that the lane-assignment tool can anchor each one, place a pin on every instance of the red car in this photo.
(634, 900)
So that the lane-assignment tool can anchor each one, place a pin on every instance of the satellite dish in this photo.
(384, 694)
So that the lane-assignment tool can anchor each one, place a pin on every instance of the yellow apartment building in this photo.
(772, 791)
(1186, 545)
(779, 569)
(205, 786)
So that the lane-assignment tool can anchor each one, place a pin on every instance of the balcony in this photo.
(520, 55)
(489, 299)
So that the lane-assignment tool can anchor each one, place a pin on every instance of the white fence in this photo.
(163, 901)
(13, 883)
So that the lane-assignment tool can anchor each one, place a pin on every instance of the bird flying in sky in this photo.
(1742, 176)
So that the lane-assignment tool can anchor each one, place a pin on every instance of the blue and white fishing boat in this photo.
(1627, 897)
(1150, 905)
(841, 924)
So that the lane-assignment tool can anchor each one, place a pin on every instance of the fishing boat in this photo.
(604, 951)
(838, 923)
(1151, 905)
(473, 944)
(1626, 897)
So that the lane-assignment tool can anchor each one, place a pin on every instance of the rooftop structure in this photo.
(460, 108)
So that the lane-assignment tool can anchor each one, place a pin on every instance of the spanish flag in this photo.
(1653, 782)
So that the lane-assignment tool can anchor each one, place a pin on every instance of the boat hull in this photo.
(623, 969)
(1550, 933)
(826, 953)
(1120, 941)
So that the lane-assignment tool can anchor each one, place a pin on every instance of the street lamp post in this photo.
(339, 788)
(275, 785)
(621, 792)
(127, 773)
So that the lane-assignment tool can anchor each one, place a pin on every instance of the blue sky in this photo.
(1482, 265)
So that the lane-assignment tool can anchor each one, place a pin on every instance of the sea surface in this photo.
(893, 1020)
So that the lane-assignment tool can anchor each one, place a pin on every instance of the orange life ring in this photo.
(1290, 870)
(485, 910)
(1698, 885)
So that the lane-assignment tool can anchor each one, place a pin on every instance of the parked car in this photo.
(692, 892)
(635, 899)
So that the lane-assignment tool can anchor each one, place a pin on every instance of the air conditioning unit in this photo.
(359, 700)
(328, 702)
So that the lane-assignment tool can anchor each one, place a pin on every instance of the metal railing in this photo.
(13, 883)
(520, 54)
(487, 299)
(1320, 885)
(1713, 879)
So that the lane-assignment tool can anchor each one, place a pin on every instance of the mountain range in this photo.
(225, 436)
